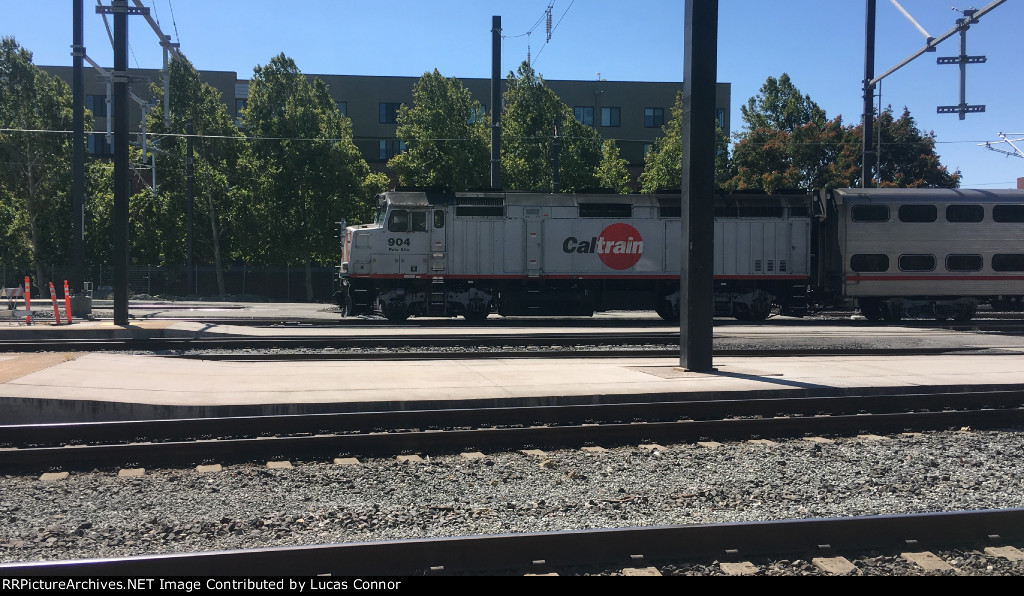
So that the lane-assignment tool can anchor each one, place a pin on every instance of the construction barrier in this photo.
(56, 311)
(28, 301)
(67, 302)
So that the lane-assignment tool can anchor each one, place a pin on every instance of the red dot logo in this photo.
(620, 246)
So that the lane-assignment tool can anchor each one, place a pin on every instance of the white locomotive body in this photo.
(473, 253)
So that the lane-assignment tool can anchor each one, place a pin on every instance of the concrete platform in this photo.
(80, 387)
(61, 387)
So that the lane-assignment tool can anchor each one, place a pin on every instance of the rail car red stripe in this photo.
(935, 278)
(605, 277)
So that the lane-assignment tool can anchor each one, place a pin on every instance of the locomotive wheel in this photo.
(396, 315)
(476, 316)
(964, 315)
(871, 310)
(666, 312)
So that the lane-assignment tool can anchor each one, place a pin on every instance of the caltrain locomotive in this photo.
(895, 253)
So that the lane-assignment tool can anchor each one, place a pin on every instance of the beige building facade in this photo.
(631, 113)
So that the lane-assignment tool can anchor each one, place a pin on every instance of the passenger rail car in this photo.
(921, 253)
(473, 253)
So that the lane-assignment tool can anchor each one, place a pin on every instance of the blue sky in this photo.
(819, 43)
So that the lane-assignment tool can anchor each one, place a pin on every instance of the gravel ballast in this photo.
(101, 514)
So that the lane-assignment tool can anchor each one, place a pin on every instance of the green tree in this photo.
(908, 157)
(780, 106)
(197, 107)
(446, 137)
(663, 163)
(612, 173)
(312, 174)
(35, 162)
(536, 124)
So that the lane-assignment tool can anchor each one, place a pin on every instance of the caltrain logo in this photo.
(619, 246)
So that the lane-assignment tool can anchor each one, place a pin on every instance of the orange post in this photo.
(67, 302)
(28, 303)
(56, 311)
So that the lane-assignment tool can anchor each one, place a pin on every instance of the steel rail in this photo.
(609, 408)
(383, 444)
(528, 551)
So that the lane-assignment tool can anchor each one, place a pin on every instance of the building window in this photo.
(100, 146)
(611, 116)
(720, 118)
(390, 148)
(240, 104)
(584, 114)
(478, 115)
(654, 117)
(97, 104)
(343, 108)
(389, 113)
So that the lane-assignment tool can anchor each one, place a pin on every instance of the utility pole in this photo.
(496, 102)
(556, 148)
(696, 265)
(122, 181)
(869, 94)
(189, 185)
(77, 155)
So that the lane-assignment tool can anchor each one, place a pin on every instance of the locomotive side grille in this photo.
(771, 266)
(482, 201)
(782, 265)
(757, 265)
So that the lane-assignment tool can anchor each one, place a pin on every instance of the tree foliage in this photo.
(35, 153)
(612, 173)
(536, 124)
(663, 163)
(446, 137)
(304, 170)
(780, 106)
(788, 142)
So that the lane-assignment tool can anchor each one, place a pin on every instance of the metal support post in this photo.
(122, 182)
(77, 151)
(696, 265)
(189, 192)
(495, 102)
(867, 139)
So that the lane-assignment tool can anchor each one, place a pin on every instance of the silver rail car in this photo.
(922, 253)
(474, 253)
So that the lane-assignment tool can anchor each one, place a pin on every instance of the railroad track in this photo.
(674, 419)
(536, 345)
(562, 552)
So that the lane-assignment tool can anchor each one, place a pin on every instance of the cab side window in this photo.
(398, 221)
(419, 221)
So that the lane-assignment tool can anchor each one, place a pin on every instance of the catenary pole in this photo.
(121, 175)
(495, 102)
(77, 151)
(867, 140)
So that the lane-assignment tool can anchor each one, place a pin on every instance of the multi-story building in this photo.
(631, 113)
